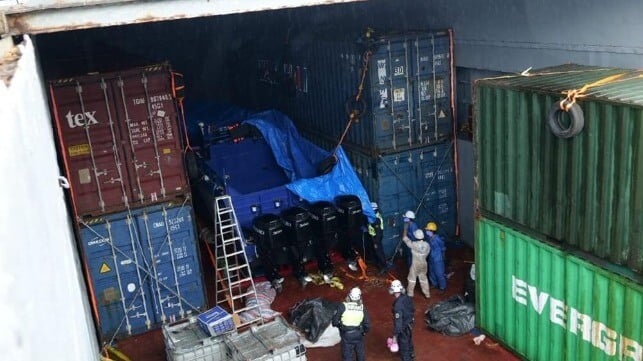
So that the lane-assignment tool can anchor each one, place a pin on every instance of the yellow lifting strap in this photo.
(113, 354)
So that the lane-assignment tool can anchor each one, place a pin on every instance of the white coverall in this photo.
(419, 250)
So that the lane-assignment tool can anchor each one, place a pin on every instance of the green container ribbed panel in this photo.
(585, 191)
(534, 298)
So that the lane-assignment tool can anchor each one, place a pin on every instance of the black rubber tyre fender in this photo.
(576, 120)
(327, 164)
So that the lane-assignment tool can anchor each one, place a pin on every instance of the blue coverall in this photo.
(403, 317)
(437, 278)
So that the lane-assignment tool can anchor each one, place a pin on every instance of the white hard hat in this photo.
(409, 214)
(355, 294)
(396, 287)
(418, 234)
(374, 206)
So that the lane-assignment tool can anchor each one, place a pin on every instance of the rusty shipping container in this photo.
(547, 304)
(119, 138)
(582, 190)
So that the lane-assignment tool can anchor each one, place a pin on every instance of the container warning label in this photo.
(399, 95)
(381, 71)
(104, 268)
(78, 150)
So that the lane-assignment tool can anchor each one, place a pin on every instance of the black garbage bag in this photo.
(312, 316)
(453, 317)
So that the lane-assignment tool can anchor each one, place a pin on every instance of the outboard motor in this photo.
(351, 219)
(269, 238)
(298, 232)
(324, 220)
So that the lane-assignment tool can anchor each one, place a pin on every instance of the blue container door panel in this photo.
(391, 97)
(445, 213)
(395, 176)
(113, 258)
(432, 93)
(120, 293)
(396, 194)
(177, 290)
(437, 187)
(436, 164)
(432, 53)
(168, 234)
(393, 207)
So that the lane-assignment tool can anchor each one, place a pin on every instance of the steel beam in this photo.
(39, 16)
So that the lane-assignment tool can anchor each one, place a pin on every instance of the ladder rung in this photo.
(250, 322)
(235, 253)
(239, 282)
(236, 297)
(238, 267)
(232, 240)
(227, 226)
(225, 210)
(247, 308)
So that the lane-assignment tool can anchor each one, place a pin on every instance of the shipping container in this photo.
(583, 190)
(547, 304)
(119, 138)
(143, 268)
(420, 179)
(406, 96)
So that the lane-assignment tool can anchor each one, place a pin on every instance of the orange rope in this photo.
(353, 114)
(179, 100)
(573, 94)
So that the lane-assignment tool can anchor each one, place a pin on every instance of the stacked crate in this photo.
(402, 143)
(121, 147)
(560, 212)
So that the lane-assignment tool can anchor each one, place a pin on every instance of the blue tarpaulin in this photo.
(297, 157)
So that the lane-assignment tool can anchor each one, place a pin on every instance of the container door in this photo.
(436, 187)
(149, 124)
(394, 178)
(118, 276)
(432, 91)
(391, 96)
(89, 140)
(169, 250)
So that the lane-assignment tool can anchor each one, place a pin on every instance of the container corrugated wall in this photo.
(421, 177)
(119, 138)
(549, 305)
(584, 191)
(143, 267)
(406, 101)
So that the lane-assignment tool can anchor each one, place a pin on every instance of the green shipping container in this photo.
(547, 304)
(585, 191)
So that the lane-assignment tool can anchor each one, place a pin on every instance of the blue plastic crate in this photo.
(216, 321)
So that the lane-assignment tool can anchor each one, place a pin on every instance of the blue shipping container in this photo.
(406, 97)
(144, 268)
(421, 177)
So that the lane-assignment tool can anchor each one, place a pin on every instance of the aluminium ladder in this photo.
(235, 284)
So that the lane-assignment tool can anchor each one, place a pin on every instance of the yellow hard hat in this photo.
(431, 226)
